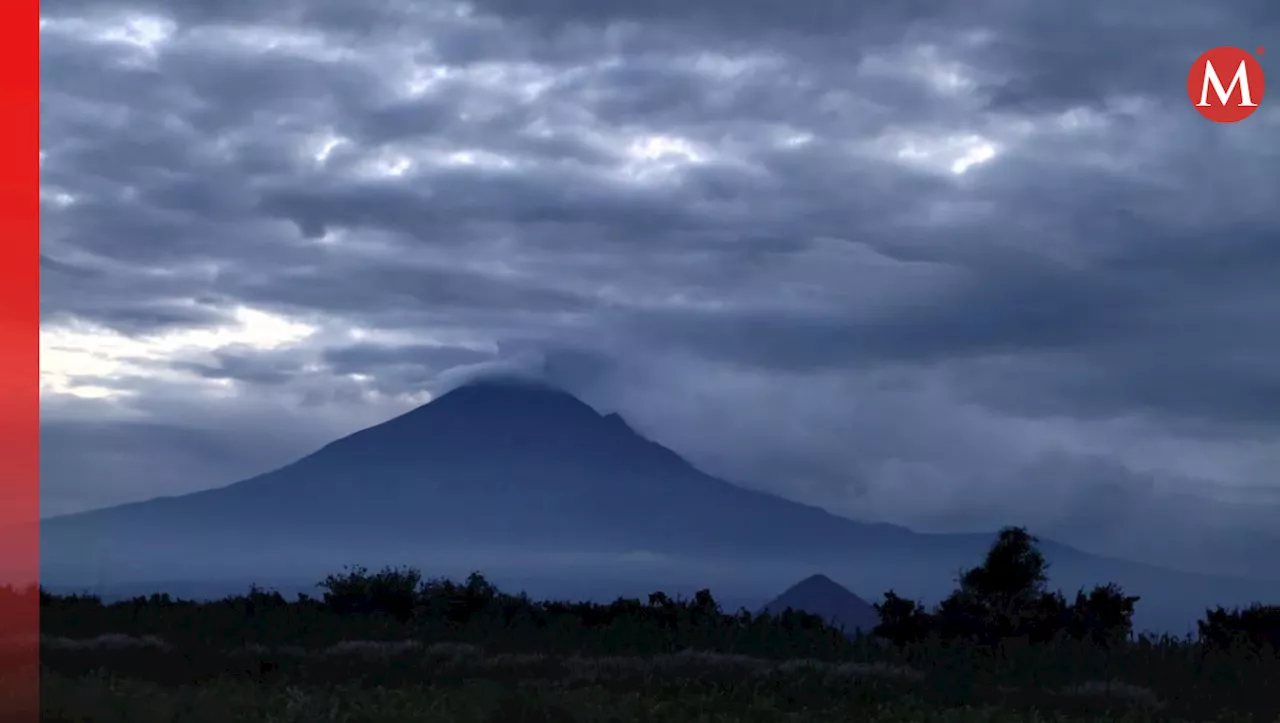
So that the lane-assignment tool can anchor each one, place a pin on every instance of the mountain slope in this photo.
(523, 475)
(493, 463)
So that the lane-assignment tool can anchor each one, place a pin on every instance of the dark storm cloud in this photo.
(385, 288)
(733, 19)
(1027, 306)
(960, 252)
(450, 201)
(363, 357)
(245, 366)
(128, 299)
(1036, 55)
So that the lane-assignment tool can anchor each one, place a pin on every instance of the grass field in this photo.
(139, 680)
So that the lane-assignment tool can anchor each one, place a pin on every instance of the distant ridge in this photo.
(820, 595)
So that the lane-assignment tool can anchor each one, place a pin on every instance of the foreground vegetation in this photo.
(391, 646)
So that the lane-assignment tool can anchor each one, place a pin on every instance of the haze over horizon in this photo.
(950, 266)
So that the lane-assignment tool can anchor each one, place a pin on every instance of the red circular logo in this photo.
(1226, 84)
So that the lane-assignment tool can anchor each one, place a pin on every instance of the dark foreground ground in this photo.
(128, 678)
(135, 680)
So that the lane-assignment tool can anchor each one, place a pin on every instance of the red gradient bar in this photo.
(19, 360)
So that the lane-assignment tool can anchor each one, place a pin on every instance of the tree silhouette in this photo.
(901, 620)
(1001, 598)
(1007, 597)
(1013, 575)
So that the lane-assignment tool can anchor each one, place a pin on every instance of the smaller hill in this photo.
(820, 595)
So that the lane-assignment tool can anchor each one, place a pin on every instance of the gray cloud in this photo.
(929, 262)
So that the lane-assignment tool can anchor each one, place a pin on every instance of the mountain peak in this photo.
(510, 387)
(820, 595)
(485, 416)
(510, 383)
(510, 398)
(818, 582)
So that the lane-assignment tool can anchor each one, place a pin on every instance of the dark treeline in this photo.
(399, 604)
(1003, 599)
(1007, 598)
(1000, 635)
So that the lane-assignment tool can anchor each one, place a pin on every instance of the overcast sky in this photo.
(941, 263)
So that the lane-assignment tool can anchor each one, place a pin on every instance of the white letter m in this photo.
(1224, 94)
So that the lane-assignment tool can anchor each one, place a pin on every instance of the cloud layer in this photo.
(946, 264)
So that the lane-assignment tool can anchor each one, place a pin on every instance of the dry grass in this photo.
(461, 683)
(1123, 692)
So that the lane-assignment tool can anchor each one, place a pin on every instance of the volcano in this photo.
(511, 471)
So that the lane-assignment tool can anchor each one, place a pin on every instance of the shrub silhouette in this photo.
(1255, 628)
(391, 591)
(902, 621)
(659, 624)
(1104, 616)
